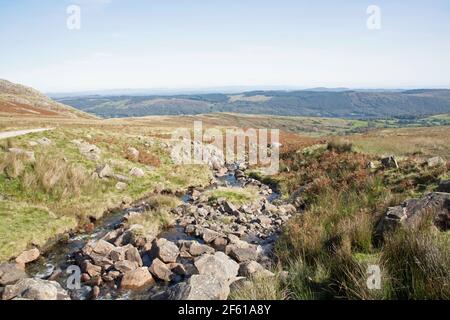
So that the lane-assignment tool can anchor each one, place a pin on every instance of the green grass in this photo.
(60, 180)
(236, 196)
(22, 224)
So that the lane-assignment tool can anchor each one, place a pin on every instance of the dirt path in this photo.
(11, 134)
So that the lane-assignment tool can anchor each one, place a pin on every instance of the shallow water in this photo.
(60, 256)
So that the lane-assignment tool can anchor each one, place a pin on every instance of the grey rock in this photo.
(165, 250)
(10, 273)
(35, 289)
(136, 279)
(200, 287)
(160, 270)
(218, 264)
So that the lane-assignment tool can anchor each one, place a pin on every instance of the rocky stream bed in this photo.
(212, 246)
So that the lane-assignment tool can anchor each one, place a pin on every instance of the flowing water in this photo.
(59, 258)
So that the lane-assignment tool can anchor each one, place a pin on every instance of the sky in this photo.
(176, 44)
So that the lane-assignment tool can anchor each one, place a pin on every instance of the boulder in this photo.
(218, 264)
(389, 162)
(90, 151)
(435, 161)
(253, 269)
(410, 212)
(100, 247)
(210, 235)
(44, 141)
(133, 153)
(199, 287)
(241, 254)
(28, 256)
(10, 273)
(165, 250)
(35, 289)
(136, 279)
(160, 270)
(104, 171)
(137, 172)
(121, 186)
(444, 186)
(197, 249)
(125, 266)
(132, 254)
(90, 269)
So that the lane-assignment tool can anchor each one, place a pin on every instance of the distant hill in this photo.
(338, 103)
(19, 100)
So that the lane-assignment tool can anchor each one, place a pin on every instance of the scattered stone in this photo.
(136, 279)
(104, 171)
(95, 292)
(28, 256)
(125, 266)
(253, 269)
(133, 153)
(165, 250)
(35, 289)
(435, 161)
(90, 151)
(389, 162)
(137, 172)
(444, 186)
(90, 269)
(243, 254)
(10, 273)
(161, 271)
(199, 287)
(411, 212)
(178, 268)
(122, 178)
(210, 235)
(44, 141)
(219, 265)
(132, 254)
(100, 247)
(121, 186)
(197, 249)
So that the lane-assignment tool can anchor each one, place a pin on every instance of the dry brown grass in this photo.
(58, 177)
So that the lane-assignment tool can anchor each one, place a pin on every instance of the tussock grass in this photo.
(57, 177)
(259, 288)
(418, 263)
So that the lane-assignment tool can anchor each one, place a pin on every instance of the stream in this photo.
(56, 260)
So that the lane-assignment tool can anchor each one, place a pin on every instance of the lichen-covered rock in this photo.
(412, 211)
(218, 264)
(199, 287)
(35, 289)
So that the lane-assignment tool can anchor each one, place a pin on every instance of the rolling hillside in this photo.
(19, 100)
(407, 104)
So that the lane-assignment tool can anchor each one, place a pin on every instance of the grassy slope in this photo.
(59, 182)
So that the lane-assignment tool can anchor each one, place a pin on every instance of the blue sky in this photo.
(211, 43)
